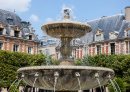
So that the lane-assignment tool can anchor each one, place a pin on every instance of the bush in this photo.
(13, 89)
(10, 62)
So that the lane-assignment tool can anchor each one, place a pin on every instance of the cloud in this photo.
(49, 20)
(18, 5)
(34, 18)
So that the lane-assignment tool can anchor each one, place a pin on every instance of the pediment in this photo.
(98, 31)
(18, 28)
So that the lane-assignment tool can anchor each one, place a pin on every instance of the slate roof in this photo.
(17, 21)
(115, 23)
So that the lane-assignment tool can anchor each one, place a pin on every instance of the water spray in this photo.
(56, 75)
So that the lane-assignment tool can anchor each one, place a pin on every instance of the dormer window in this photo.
(24, 24)
(113, 34)
(10, 20)
(1, 31)
(73, 42)
(128, 32)
(99, 35)
(30, 37)
(16, 33)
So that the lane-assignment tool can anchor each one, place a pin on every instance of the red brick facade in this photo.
(23, 44)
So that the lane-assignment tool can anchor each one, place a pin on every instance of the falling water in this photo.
(55, 83)
(117, 85)
(34, 82)
(11, 85)
(113, 85)
(99, 84)
(17, 84)
(24, 88)
(79, 82)
(48, 60)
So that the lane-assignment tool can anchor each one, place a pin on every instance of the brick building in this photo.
(110, 35)
(16, 34)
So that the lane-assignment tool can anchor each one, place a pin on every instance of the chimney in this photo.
(29, 25)
(127, 13)
(33, 31)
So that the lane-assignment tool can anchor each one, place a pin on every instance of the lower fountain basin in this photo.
(67, 79)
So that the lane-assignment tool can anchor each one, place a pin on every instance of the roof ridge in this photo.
(8, 11)
(105, 17)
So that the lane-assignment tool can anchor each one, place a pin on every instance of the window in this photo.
(73, 42)
(15, 48)
(41, 43)
(128, 32)
(1, 45)
(112, 35)
(112, 48)
(99, 37)
(30, 50)
(40, 51)
(16, 33)
(98, 49)
(127, 47)
(10, 21)
(1, 31)
(24, 24)
(30, 37)
(47, 52)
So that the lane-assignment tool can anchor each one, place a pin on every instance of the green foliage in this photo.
(77, 62)
(10, 62)
(13, 89)
(119, 84)
(119, 63)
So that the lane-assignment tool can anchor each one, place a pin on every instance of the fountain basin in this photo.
(70, 29)
(67, 79)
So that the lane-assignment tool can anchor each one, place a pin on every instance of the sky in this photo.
(40, 12)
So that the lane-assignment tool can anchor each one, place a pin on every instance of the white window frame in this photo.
(98, 37)
(30, 50)
(112, 35)
(16, 48)
(100, 50)
(2, 31)
(47, 52)
(128, 32)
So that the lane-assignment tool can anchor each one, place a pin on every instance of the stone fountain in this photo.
(65, 76)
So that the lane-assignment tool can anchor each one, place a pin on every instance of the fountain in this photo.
(65, 76)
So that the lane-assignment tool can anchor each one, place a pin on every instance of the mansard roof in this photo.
(17, 21)
(115, 23)
(107, 24)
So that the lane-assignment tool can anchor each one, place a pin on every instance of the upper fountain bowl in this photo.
(66, 28)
